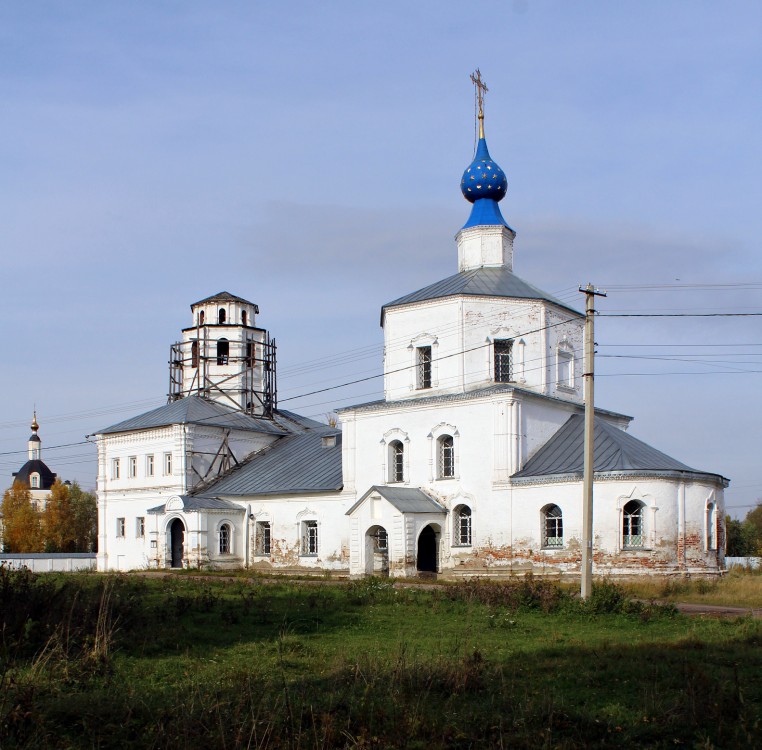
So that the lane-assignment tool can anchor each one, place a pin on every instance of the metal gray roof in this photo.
(404, 499)
(201, 503)
(224, 297)
(442, 398)
(292, 465)
(615, 450)
(195, 410)
(480, 282)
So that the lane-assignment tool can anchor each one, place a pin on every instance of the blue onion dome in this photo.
(483, 178)
(484, 184)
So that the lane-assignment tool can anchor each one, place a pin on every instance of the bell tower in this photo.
(225, 357)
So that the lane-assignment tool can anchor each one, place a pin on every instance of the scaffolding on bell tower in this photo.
(225, 358)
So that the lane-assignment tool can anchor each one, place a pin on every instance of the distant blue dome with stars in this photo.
(484, 184)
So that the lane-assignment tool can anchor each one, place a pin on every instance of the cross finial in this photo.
(480, 88)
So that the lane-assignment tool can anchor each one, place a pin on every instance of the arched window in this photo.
(225, 539)
(201, 318)
(243, 317)
(223, 351)
(632, 524)
(552, 526)
(34, 481)
(194, 354)
(446, 457)
(711, 527)
(396, 461)
(462, 530)
(222, 316)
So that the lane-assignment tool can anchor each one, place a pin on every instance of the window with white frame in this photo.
(262, 546)
(565, 374)
(224, 539)
(711, 527)
(140, 527)
(445, 457)
(552, 527)
(423, 367)
(132, 466)
(34, 481)
(462, 530)
(309, 538)
(502, 350)
(632, 525)
(120, 527)
(396, 461)
(167, 464)
(149, 465)
(115, 468)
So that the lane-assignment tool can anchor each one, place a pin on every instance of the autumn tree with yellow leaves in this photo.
(22, 530)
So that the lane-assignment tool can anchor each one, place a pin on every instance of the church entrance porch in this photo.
(177, 542)
(427, 555)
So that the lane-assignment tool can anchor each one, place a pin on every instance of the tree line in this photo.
(68, 522)
(745, 537)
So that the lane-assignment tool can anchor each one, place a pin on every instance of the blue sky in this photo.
(307, 156)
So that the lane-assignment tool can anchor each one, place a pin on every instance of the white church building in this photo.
(470, 464)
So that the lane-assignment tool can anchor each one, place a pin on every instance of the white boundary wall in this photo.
(50, 563)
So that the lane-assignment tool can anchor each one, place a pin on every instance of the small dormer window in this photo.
(329, 441)
(243, 317)
(34, 481)
(222, 316)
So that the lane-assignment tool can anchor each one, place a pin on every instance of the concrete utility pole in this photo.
(586, 586)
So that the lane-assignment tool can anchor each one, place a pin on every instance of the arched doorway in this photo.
(176, 542)
(377, 551)
(426, 559)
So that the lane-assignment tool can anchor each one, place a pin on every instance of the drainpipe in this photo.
(248, 537)
(184, 485)
(681, 524)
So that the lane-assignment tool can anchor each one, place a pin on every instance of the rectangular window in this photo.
(149, 465)
(263, 538)
(140, 527)
(167, 464)
(115, 468)
(132, 466)
(423, 361)
(446, 457)
(565, 370)
(503, 372)
(381, 541)
(309, 538)
(120, 527)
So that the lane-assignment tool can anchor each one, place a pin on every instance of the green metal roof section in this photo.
(479, 282)
(614, 451)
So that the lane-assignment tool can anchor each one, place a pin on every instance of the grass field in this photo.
(128, 662)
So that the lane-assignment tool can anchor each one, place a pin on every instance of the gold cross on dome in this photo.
(480, 89)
